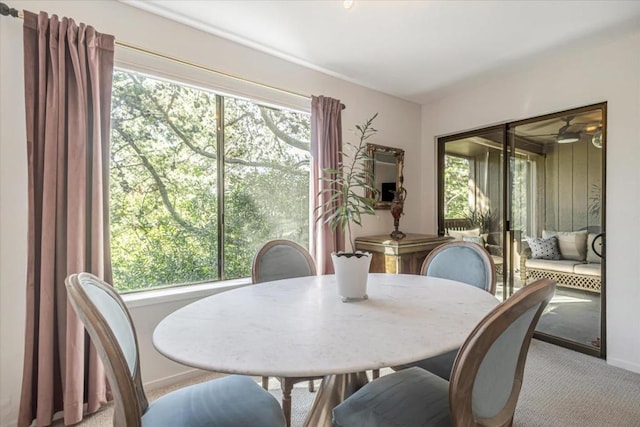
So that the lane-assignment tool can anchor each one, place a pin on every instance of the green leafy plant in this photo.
(482, 218)
(346, 200)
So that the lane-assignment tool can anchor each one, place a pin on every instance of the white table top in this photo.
(300, 327)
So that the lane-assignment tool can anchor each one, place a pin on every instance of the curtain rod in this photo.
(5, 10)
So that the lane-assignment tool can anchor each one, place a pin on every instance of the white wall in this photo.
(609, 72)
(13, 221)
(398, 124)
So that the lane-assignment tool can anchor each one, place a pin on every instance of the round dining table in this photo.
(301, 328)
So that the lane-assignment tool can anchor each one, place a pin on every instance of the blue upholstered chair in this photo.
(465, 262)
(226, 402)
(281, 259)
(485, 381)
(276, 260)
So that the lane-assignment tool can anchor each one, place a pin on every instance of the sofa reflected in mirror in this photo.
(566, 257)
(386, 165)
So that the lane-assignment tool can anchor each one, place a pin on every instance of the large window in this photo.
(522, 202)
(457, 195)
(199, 181)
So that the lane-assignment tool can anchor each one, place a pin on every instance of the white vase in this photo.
(351, 274)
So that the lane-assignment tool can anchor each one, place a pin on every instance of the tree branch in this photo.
(283, 168)
(162, 189)
(236, 120)
(184, 138)
(288, 139)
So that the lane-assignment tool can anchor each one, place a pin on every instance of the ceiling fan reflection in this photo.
(572, 132)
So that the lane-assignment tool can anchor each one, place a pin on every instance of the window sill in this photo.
(180, 293)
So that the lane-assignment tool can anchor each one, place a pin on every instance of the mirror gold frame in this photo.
(386, 166)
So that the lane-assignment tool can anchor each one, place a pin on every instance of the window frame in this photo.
(194, 78)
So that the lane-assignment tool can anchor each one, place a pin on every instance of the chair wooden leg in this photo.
(265, 383)
(311, 386)
(286, 386)
(375, 373)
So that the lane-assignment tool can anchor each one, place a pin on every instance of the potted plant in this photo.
(483, 219)
(346, 202)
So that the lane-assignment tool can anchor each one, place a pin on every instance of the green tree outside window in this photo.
(166, 160)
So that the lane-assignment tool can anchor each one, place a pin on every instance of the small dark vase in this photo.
(397, 207)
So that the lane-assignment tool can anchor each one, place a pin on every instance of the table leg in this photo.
(333, 390)
(286, 386)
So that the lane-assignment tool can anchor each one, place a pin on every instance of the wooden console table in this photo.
(399, 256)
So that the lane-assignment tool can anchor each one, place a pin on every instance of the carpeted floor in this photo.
(574, 315)
(561, 388)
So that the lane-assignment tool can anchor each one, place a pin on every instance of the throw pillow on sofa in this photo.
(459, 234)
(475, 239)
(543, 248)
(572, 244)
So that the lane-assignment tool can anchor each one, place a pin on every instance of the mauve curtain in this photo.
(326, 150)
(68, 75)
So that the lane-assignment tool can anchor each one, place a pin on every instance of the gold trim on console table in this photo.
(399, 256)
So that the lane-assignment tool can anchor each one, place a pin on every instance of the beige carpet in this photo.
(561, 388)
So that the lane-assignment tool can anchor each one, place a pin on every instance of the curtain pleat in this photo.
(68, 76)
(326, 150)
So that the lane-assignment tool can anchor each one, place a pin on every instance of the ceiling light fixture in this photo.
(596, 140)
(348, 4)
(568, 138)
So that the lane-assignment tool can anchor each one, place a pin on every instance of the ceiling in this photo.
(410, 49)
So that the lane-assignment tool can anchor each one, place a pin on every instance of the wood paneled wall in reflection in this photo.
(572, 179)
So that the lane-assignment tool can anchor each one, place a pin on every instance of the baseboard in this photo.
(629, 366)
(172, 379)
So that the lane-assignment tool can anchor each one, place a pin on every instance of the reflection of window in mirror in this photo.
(386, 167)
(384, 172)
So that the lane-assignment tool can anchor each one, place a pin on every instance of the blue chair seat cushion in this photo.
(411, 397)
(231, 401)
(441, 365)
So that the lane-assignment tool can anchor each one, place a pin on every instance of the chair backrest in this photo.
(466, 262)
(487, 375)
(109, 325)
(281, 259)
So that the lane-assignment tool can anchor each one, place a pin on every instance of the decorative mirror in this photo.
(386, 165)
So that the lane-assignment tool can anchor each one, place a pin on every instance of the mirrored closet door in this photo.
(535, 188)
(471, 193)
(556, 207)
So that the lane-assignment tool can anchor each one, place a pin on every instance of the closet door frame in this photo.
(509, 267)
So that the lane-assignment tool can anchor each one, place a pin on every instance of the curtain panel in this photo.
(68, 74)
(326, 150)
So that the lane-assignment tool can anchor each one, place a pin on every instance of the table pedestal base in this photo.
(333, 390)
